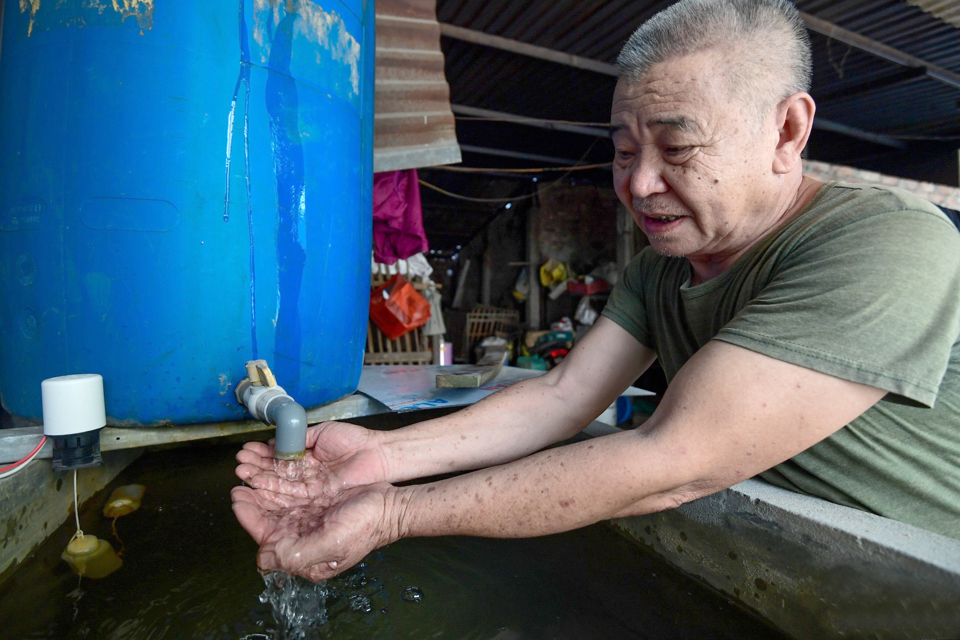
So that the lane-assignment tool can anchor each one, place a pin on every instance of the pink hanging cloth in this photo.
(397, 216)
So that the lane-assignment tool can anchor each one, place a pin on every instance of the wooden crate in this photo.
(410, 348)
(484, 321)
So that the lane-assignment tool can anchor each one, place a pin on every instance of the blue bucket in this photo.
(184, 186)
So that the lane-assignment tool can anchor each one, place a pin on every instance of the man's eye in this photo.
(624, 155)
(673, 152)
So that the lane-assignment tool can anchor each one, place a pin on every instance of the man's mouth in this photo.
(664, 218)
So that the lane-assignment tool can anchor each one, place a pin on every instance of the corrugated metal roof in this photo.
(920, 106)
(864, 91)
(413, 125)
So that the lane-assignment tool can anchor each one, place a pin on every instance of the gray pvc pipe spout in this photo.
(291, 421)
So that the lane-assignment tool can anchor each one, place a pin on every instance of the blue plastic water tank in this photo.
(184, 186)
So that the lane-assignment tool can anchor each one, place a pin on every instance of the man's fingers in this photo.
(267, 560)
(271, 482)
(246, 471)
(266, 500)
(250, 516)
(278, 504)
(307, 557)
(323, 571)
(262, 449)
(256, 453)
(313, 433)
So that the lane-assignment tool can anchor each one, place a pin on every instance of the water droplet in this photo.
(361, 603)
(412, 594)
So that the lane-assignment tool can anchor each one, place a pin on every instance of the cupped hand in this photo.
(299, 536)
(339, 456)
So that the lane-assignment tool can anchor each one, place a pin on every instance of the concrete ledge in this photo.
(812, 568)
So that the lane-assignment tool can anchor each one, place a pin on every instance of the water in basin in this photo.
(189, 572)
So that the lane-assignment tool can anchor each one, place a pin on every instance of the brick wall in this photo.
(940, 194)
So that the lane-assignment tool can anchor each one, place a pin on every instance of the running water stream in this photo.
(299, 607)
(291, 470)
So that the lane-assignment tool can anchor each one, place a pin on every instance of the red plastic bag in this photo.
(396, 307)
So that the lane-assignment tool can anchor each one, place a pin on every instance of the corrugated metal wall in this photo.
(414, 126)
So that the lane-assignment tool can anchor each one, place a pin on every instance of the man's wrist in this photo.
(398, 514)
(386, 446)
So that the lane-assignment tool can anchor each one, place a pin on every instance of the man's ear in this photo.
(794, 123)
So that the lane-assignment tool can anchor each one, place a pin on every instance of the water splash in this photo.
(361, 603)
(299, 606)
(291, 470)
(412, 594)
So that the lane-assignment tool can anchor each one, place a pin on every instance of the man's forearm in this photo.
(552, 491)
(525, 417)
(507, 425)
(729, 414)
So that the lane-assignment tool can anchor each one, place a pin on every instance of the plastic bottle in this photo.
(124, 500)
(91, 557)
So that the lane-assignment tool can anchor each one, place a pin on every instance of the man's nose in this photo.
(647, 177)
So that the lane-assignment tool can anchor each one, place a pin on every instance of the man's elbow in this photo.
(670, 499)
(563, 397)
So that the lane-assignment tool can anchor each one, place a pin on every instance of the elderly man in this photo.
(809, 334)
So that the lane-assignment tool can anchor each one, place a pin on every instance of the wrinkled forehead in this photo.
(692, 91)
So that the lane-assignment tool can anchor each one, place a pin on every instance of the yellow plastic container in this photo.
(124, 500)
(90, 557)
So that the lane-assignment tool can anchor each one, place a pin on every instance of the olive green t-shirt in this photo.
(862, 284)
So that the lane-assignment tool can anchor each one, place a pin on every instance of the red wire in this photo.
(35, 449)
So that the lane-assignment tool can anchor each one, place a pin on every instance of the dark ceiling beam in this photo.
(853, 132)
(949, 123)
(518, 155)
(540, 123)
(879, 49)
(884, 82)
(530, 50)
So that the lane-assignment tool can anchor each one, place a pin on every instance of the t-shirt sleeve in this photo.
(873, 300)
(626, 303)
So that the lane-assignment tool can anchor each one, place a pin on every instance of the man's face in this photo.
(693, 163)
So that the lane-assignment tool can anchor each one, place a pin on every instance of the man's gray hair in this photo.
(774, 48)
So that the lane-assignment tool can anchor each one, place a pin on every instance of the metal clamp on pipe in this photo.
(268, 402)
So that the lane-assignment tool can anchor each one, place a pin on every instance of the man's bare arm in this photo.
(525, 417)
(729, 414)
(505, 426)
